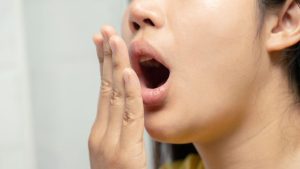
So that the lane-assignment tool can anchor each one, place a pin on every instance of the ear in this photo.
(284, 27)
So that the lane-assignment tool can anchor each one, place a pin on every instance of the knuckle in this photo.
(133, 101)
(116, 64)
(105, 86)
(102, 149)
(117, 93)
(106, 49)
(131, 95)
(95, 140)
(93, 143)
(116, 98)
(129, 117)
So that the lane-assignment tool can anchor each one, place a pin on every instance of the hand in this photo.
(116, 139)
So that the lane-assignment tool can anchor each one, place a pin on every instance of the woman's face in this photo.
(211, 51)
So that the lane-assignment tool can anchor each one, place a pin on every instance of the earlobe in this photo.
(286, 32)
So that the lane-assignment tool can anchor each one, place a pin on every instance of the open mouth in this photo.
(154, 73)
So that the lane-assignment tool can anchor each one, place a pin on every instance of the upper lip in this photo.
(139, 48)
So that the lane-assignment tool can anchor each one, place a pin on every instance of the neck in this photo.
(268, 137)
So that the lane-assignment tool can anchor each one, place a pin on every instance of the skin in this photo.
(228, 92)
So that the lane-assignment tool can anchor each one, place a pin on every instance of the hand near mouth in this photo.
(116, 138)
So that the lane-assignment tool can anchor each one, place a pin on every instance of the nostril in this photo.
(136, 26)
(148, 21)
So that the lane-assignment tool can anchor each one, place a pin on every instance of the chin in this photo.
(164, 128)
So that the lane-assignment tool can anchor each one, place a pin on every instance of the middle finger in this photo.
(105, 60)
(120, 61)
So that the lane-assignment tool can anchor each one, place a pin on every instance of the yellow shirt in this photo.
(192, 161)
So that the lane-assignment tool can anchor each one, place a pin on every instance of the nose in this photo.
(144, 13)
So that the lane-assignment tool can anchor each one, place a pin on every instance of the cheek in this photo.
(216, 35)
(209, 22)
(215, 64)
(216, 53)
(207, 100)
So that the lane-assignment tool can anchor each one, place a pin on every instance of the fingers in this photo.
(133, 117)
(120, 110)
(106, 78)
(98, 41)
(119, 125)
(120, 61)
(105, 59)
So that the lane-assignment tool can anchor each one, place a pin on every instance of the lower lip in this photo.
(155, 97)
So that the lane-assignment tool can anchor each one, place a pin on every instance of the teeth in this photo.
(145, 58)
(150, 63)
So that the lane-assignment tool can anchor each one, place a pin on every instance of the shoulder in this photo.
(192, 161)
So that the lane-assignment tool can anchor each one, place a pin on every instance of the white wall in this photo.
(65, 75)
(16, 137)
(49, 80)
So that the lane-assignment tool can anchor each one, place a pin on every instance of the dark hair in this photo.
(290, 62)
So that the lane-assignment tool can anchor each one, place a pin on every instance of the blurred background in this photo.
(49, 80)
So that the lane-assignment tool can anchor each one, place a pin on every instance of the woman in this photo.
(223, 75)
